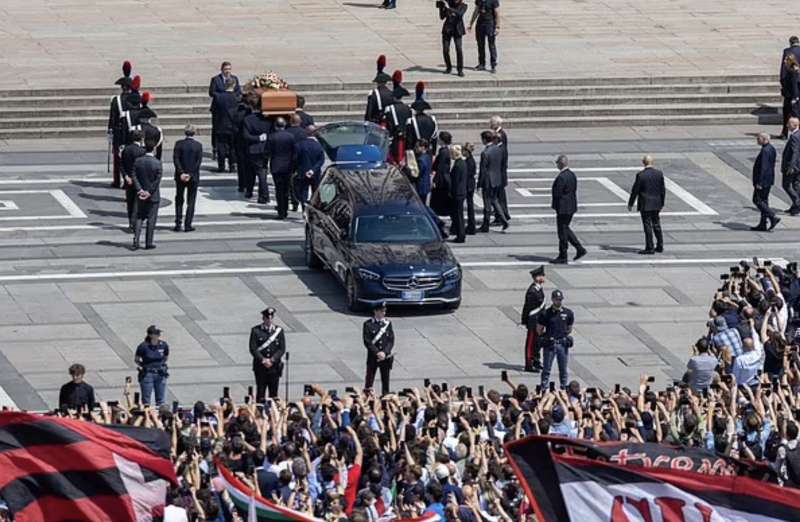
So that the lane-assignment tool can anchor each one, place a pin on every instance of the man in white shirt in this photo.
(746, 366)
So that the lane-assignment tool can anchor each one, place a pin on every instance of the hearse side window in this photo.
(327, 192)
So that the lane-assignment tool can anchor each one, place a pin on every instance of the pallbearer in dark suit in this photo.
(255, 131)
(786, 87)
(379, 97)
(565, 203)
(534, 304)
(267, 346)
(187, 157)
(379, 342)
(310, 158)
(421, 126)
(116, 122)
(458, 193)
(224, 111)
(496, 124)
(490, 179)
(215, 86)
(649, 191)
(147, 180)
(763, 179)
(129, 156)
(395, 116)
(282, 162)
(790, 166)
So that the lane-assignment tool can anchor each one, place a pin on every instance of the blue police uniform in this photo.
(152, 360)
(556, 341)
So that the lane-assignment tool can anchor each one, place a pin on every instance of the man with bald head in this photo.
(790, 166)
(648, 193)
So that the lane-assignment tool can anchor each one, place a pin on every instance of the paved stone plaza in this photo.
(80, 43)
(70, 290)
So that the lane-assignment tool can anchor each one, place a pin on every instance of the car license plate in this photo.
(411, 295)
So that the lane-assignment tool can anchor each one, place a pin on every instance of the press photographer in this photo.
(452, 12)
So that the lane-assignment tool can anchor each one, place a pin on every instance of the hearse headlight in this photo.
(368, 275)
(454, 274)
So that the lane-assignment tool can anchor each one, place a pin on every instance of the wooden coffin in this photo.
(278, 103)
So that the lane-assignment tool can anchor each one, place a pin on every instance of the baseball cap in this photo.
(153, 330)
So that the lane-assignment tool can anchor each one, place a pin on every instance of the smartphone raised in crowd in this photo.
(504, 376)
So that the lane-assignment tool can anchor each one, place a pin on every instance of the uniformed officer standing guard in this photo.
(380, 97)
(116, 121)
(379, 341)
(534, 304)
(395, 117)
(421, 126)
(267, 346)
(555, 330)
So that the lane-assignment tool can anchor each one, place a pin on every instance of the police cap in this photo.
(269, 311)
(539, 271)
(380, 305)
(557, 295)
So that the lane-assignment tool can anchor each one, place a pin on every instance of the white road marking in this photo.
(285, 269)
(197, 223)
(72, 209)
(74, 167)
(547, 205)
(605, 215)
(6, 401)
(527, 192)
(8, 205)
(688, 198)
(104, 179)
(576, 170)
(614, 189)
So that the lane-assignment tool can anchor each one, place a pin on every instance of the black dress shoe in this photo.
(240, 189)
(448, 70)
(248, 194)
(579, 254)
(461, 73)
(646, 252)
(135, 246)
(760, 228)
(262, 201)
(188, 229)
(483, 230)
(480, 67)
(559, 261)
(505, 226)
(459, 240)
(294, 208)
(529, 369)
(150, 247)
(177, 227)
(470, 232)
(774, 223)
(660, 249)
(493, 70)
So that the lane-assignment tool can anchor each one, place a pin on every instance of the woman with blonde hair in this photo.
(458, 193)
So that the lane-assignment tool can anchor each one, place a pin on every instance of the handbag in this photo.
(411, 164)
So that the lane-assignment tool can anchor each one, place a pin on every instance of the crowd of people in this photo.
(356, 454)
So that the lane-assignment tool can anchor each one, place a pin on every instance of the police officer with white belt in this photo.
(379, 341)
(267, 346)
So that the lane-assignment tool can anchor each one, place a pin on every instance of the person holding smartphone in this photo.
(151, 360)
(452, 13)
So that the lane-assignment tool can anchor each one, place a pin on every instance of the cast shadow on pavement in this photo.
(102, 197)
(366, 6)
(505, 366)
(735, 225)
(620, 249)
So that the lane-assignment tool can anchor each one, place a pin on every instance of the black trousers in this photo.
(258, 170)
(457, 219)
(130, 204)
(225, 150)
(791, 184)
(266, 381)
(301, 186)
(761, 201)
(242, 165)
(146, 210)
(471, 212)
(787, 113)
(565, 234)
(385, 367)
(446, 38)
(483, 33)
(281, 181)
(651, 221)
(190, 189)
(491, 201)
(503, 200)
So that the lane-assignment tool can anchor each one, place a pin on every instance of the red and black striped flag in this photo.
(568, 480)
(54, 469)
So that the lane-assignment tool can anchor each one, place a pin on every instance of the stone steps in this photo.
(39, 113)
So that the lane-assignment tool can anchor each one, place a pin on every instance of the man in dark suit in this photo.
(793, 49)
(305, 118)
(129, 155)
(217, 85)
(225, 104)
(379, 342)
(310, 158)
(453, 29)
(565, 203)
(255, 130)
(187, 157)
(790, 166)
(282, 161)
(458, 193)
(295, 182)
(650, 192)
(496, 124)
(379, 97)
(490, 179)
(763, 179)
(240, 145)
(147, 173)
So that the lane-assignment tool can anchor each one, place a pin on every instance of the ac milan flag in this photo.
(62, 469)
(564, 485)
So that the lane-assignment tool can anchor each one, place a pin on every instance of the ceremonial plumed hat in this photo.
(381, 77)
(397, 81)
(419, 103)
(125, 80)
(136, 83)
